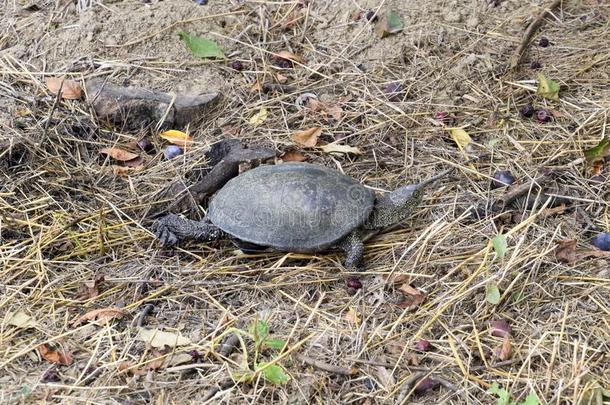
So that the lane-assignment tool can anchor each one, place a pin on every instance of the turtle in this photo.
(296, 207)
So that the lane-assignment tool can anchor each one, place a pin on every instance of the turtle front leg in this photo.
(353, 247)
(172, 229)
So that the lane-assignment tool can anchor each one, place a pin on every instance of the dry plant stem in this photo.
(522, 189)
(408, 386)
(529, 33)
(320, 365)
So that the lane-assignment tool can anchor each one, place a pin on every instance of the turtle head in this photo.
(396, 206)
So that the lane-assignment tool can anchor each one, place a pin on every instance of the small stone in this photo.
(502, 178)
(602, 241)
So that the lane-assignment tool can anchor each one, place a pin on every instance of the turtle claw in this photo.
(165, 230)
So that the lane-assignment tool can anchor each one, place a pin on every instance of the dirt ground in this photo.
(75, 234)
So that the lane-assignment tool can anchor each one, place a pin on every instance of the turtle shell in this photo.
(295, 207)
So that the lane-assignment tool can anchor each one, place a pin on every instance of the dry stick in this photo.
(320, 365)
(529, 33)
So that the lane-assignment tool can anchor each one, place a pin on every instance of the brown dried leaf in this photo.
(70, 90)
(119, 154)
(412, 297)
(341, 149)
(125, 171)
(335, 111)
(281, 78)
(90, 289)
(101, 316)
(426, 384)
(566, 251)
(55, 356)
(308, 137)
(291, 56)
(257, 87)
(293, 156)
(506, 350)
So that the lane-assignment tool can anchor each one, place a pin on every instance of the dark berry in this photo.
(371, 16)
(527, 111)
(535, 65)
(201, 2)
(146, 145)
(172, 151)
(544, 42)
(423, 345)
(354, 283)
(236, 65)
(51, 375)
(602, 241)
(444, 117)
(543, 115)
(502, 178)
(283, 63)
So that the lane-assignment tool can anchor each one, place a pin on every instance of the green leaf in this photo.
(500, 245)
(548, 88)
(531, 399)
(275, 343)
(202, 47)
(259, 331)
(502, 394)
(492, 294)
(274, 374)
(598, 152)
(390, 23)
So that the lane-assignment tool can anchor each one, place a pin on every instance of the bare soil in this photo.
(68, 218)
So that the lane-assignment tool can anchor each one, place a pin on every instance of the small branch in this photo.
(515, 60)
(320, 365)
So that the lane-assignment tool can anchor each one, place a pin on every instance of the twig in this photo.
(408, 385)
(145, 312)
(529, 33)
(320, 365)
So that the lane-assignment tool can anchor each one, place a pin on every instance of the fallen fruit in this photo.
(371, 16)
(146, 145)
(527, 111)
(236, 65)
(544, 42)
(443, 117)
(535, 65)
(172, 151)
(502, 178)
(500, 328)
(353, 282)
(423, 345)
(543, 115)
(602, 241)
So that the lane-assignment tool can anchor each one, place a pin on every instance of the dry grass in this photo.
(66, 218)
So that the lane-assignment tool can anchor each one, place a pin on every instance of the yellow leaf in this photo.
(177, 138)
(460, 137)
(338, 148)
(158, 338)
(258, 118)
(308, 137)
(548, 88)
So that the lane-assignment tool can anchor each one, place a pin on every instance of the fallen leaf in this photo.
(598, 152)
(101, 316)
(119, 154)
(22, 320)
(176, 137)
(55, 356)
(256, 87)
(135, 163)
(412, 297)
(426, 384)
(274, 374)
(565, 251)
(291, 56)
(390, 23)
(281, 78)
(500, 328)
(335, 111)
(90, 289)
(258, 118)
(500, 245)
(385, 378)
(308, 137)
(547, 88)
(461, 138)
(201, 47)
(492, 294)
(293, 156)
(338, 148)
(70, 90)
(505, 351)
(352, 316)
(159, 339)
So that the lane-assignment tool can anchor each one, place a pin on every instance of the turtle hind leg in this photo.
(353, 247)
(172, 229)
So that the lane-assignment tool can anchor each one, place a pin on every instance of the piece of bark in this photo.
(135, 107)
